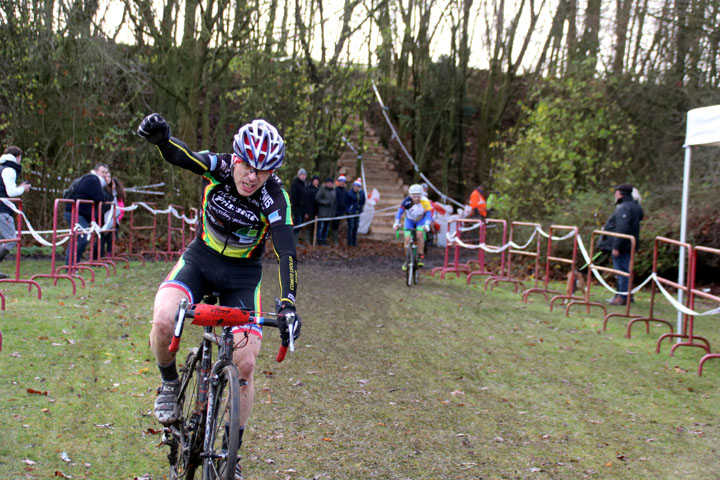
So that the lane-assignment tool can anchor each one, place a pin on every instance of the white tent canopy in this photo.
(703, 129)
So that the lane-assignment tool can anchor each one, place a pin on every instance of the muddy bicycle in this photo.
(410, 267)
(206, 434)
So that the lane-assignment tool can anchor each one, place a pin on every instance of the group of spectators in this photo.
(328, 200)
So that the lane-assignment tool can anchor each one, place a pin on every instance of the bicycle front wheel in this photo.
(410, 262)
(224, 439)
(188, 431)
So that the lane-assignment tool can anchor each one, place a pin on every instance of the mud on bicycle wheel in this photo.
(187, 440)
(224, 428)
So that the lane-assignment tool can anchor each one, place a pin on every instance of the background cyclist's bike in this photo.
(206, 434)
(412, 275)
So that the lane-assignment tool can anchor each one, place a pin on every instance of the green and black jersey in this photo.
(236, 226)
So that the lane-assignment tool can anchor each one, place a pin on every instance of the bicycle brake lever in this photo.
(290, 320)
(179, 323)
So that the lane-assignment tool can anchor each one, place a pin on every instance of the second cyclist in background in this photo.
(418, 214)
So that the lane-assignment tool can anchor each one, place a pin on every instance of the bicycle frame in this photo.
(201, 417)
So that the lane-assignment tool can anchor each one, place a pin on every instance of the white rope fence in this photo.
(93, 227)
(452, 238)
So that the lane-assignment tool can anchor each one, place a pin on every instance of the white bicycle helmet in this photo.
(415, 189)
(259, 145)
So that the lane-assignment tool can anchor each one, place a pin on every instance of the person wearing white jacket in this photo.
(10, 170)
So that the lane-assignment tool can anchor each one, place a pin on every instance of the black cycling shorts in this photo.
(202, 271)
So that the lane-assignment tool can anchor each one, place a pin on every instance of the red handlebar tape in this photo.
(215, 316)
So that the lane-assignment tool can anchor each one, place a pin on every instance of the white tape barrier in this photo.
(599, 277)
(35, 234)
(452, 238)
(679, 306)
(170, 209)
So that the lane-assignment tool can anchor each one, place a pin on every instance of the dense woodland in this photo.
(549, 102)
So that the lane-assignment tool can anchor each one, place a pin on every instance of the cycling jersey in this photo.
(236, 226)
(417, 213)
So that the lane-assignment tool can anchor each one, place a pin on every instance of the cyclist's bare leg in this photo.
(420, 240)
(245, 359)
(164, 310)
(166, 302)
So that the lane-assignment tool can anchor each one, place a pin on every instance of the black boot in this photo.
(3, 253)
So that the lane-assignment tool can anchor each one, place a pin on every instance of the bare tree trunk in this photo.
(590, 41)
(622, 20)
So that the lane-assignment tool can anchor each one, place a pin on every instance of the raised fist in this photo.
(154, 129)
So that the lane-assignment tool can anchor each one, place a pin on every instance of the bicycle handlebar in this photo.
(216, 316)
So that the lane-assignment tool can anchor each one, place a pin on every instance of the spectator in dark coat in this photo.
(311, 191)
(298, 203)
(354, 204)
(340, 192)
(325, 200)
(311, 205)
(89, 187)
(625, 219)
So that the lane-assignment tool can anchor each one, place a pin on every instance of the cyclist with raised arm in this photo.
(418, 213)
(242, 202)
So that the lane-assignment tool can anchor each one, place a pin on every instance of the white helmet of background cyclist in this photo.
(259, 145)
(415, 189)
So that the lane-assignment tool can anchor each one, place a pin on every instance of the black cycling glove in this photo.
(297, 324)
(154, 129)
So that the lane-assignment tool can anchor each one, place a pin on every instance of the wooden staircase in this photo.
(380, 174)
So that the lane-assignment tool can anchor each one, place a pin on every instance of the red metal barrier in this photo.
(482, 270)
(454, 267)
(92, 260)
(630, 274)
(506, 275)
(192, 227)
(653, 288)
(169, 252)
(549, 258)
(692, 340)
(448, 245)
(110, 257)
(694, 291)
(18, 244)
(134, 229)
(54, 270)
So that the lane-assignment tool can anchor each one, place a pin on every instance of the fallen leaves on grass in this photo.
(27, 461)
(60, 474)
(36, 392)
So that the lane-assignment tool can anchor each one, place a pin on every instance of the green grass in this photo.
(437, 381)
